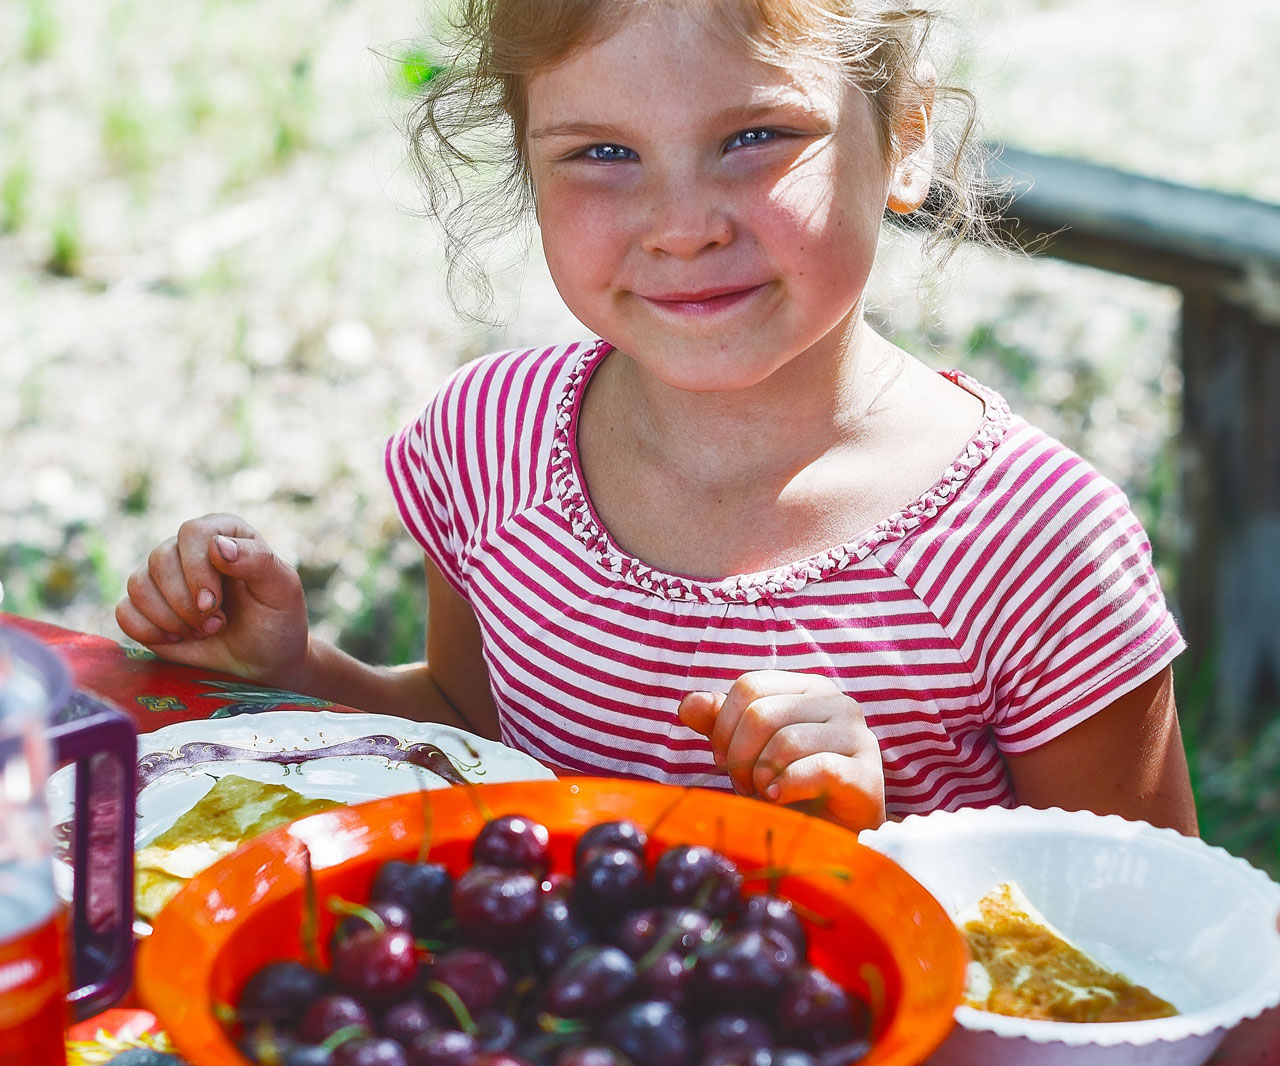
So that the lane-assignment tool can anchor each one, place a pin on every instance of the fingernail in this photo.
(212, 625)
(227, 548)
(773, 791)
(206, 600)
(172, 638)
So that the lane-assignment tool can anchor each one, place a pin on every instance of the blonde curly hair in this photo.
(468, 124)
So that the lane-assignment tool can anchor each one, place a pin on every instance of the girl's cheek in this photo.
(585, 205)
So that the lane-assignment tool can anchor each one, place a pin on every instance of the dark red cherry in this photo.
(610, 882)
(424, 888)
(591, 1055)
(591, 982)
(680, 929)
(690, 875)
(775, 912)
(376, 968)
(651, 1033)
(558, 932)
(279, 992)
(443, 1047)
(814, 1012)
(369, 1051)
(619, 834)
(513, 842)
(496, 907)
(733, 1030)
(478, 977)
(328, 1014)
(406, 1020)
(745, 970)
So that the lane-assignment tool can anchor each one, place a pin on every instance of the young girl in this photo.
(741, 539)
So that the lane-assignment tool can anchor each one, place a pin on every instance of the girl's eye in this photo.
(750, 138)
(609, 153)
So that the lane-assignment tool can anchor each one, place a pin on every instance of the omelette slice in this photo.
(1024, 967)
(235, 810)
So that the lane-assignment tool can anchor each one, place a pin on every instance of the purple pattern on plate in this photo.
(187, 756)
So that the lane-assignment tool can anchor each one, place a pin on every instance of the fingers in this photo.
(159, 606)
(698, 711)
(203, 555)
(846, 788)
(794, 739)
(262, 574)
(178, 593)
(758, 705)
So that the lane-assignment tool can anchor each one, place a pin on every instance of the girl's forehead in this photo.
(669, 46)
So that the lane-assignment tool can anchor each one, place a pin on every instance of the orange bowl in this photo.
(884, 937)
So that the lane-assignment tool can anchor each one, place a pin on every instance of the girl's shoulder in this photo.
(529, 378)
(1022, 485)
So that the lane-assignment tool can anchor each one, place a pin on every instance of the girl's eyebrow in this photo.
(574, 129)
(755, 113)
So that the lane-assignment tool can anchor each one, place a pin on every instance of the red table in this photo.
(155, 694)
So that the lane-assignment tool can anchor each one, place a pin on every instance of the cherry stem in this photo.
(772, 872)
(226, 1013)
(671, 936)
(454, 1002)
(358, 910)
(428, 824)
(553, 1023)
(769, 860)
(265, 1046)
(486, 812)
(877, 994)
(663, 814)
(311, 912)
(348, 1032)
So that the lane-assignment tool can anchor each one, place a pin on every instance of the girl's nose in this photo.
(685, 221)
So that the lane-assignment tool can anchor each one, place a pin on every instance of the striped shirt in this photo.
(1008, 603)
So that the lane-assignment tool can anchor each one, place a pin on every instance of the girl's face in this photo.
(711, 215)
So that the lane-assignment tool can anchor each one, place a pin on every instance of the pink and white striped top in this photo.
(1007, 604)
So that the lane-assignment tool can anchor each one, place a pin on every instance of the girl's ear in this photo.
(913, 134)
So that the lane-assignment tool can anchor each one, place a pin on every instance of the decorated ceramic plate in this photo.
(344, 757)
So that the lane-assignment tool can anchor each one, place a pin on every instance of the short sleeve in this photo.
(424, 481)
(1080, 618)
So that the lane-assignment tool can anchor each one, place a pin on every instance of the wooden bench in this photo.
(1223, 253)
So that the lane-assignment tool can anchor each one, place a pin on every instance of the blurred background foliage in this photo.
(215, 293)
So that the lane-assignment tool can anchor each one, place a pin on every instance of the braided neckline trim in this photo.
(567, 485)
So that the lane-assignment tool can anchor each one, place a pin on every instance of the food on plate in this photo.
(236, 809)
(1022, 966)
(637, 955)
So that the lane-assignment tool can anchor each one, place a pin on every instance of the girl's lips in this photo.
(705, 301)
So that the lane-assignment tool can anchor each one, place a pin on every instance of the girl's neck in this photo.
(814, 405)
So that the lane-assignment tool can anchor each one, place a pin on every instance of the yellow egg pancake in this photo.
(1023, 967)
(235, 810)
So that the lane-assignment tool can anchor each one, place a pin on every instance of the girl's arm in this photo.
(1127, 759)
(453, 690)
(216, 596)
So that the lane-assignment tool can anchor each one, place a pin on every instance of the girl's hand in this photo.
(794, 738)
(218, 597)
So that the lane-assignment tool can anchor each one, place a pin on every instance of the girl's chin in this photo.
(685, 369)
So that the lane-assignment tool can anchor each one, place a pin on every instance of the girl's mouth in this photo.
(699, 302)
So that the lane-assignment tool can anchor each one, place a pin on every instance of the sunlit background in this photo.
(215, 293)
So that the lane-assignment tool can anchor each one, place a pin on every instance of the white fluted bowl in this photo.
(1193, 923)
